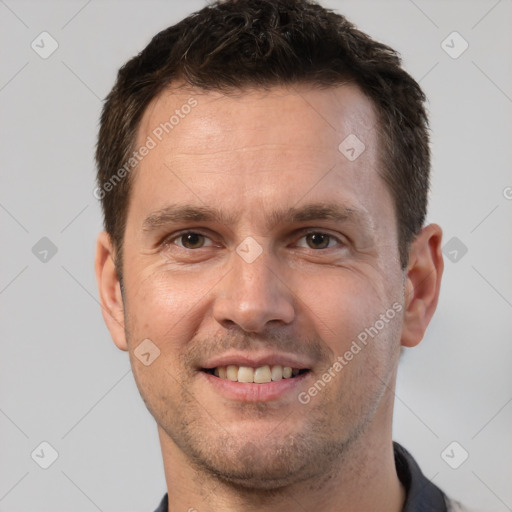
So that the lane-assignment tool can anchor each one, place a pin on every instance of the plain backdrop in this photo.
(62, 380)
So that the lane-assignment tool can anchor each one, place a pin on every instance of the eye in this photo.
(190, 240)
(319, 240)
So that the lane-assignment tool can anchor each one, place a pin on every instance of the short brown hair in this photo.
(233, 45)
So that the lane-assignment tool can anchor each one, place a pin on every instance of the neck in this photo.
(365, 479)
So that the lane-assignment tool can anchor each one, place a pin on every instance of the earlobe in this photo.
(109, 288)
(423, 283)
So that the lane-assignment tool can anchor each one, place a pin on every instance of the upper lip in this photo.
(256, 360)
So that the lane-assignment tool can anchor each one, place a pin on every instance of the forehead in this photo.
(298, 115)
(286, 144)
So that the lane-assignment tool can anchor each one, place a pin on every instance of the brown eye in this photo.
(191, 240)
(318, 240)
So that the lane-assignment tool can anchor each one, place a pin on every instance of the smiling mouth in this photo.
(258, 375)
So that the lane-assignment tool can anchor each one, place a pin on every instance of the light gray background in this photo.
(62, 379)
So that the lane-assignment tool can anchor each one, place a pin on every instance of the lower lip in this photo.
(250, 392)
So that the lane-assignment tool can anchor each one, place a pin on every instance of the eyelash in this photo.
(171, 239)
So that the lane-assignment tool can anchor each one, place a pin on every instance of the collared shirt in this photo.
(421, 494)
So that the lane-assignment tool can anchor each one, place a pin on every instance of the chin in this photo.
(254, 474)
(264, 463)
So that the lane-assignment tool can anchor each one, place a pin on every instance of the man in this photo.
(263, 168)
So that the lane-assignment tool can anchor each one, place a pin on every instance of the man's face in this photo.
(303, 259)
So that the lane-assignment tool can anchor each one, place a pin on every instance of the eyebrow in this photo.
(173, 214)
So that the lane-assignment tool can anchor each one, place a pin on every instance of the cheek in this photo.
(161, 306)
(343, 306)
(347, 315)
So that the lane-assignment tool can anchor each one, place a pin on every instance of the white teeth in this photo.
(260, 375)
(231, 372)
(245, 374)
(277, 372)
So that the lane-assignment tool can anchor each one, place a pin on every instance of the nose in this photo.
(254, 294)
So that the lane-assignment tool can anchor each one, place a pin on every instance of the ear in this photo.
(109, 287)
(423, 283)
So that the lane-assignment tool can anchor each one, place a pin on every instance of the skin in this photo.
(249, 155)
